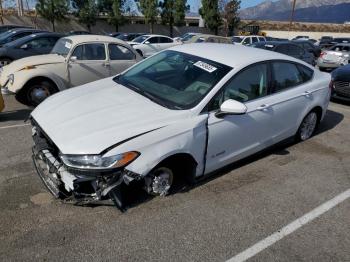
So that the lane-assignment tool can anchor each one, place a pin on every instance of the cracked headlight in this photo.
(98, 162)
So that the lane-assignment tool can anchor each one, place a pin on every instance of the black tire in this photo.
(43, 88)
(5, 61)
(308, 126)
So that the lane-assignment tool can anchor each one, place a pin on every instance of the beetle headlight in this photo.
(11, 79)
(98, 162)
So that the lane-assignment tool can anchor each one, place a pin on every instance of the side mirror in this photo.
(231, 107)
(73, 59)
(147, 42)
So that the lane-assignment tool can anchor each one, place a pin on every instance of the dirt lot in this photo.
(213, 221)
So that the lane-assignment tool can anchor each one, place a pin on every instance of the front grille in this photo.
(342, 88)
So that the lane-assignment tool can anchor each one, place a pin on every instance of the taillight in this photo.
(322, 54)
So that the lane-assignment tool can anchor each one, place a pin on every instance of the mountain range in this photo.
(325, 11)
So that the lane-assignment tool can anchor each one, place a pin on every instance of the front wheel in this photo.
(308, 126)
(160, 181)
(37, 92)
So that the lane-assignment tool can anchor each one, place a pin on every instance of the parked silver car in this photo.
(335, 57)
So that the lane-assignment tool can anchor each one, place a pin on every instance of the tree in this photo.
(116, 17)
(86, 12)
(211, 15)
(149, 8)
(52, 10)
(173, 12)
(231, 17)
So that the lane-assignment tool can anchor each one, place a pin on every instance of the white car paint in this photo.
(153, 44)
(66, 72)
(106, 118)
(248, 40)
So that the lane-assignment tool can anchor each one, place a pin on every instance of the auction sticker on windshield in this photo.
(68, 45)
(205, 66)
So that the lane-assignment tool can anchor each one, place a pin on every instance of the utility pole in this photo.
(292, 15)
(20, 7)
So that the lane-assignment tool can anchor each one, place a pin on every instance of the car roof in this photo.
(21, 29)
(148, 35)
(231, 55)
(76, 39)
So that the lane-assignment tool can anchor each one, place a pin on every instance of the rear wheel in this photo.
(308, 126)
(37, 92)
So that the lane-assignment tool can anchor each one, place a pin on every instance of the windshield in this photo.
(237, 39)
(62, 47)
(187, 37)
(140, 39)
(173, 79)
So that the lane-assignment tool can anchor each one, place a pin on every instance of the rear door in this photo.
(88, 63)
(120, 58)
(165, 42)
(291, 96)
(150, 46)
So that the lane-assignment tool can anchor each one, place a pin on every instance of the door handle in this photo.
(106, 64)
(263, 107)
(307, 93)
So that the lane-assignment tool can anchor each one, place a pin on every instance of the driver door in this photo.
(88, 63)
(233, 137)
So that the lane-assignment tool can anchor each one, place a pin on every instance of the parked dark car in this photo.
(269, 38)
(341, 83)
(341, 40)
(287, 48)
(78, 33)
(114, 34)
(309, 46)
(35, 44)
(5, 28)
(128, 36)
(15, 34)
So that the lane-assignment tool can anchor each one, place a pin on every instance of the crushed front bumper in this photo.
(73, 185)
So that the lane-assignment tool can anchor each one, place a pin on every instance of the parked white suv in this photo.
(74, 60)
(184, 112)
(147, 45)
(248, 40)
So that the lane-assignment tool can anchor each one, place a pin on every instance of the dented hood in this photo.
(91, 118)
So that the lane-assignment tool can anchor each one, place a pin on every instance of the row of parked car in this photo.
(76, 58)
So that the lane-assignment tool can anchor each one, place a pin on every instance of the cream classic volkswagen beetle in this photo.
(74, 61)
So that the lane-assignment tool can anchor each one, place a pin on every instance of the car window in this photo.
(163, 40)
(90, 52)
(286, 75)
(118, 52)
(153, 40)
(255, 39)
(43, 42)
(283, 49)
(246, 41)
(249, 84)
(20, 35)
(261, 39)
(62, 47)
(173, 79)
(306, 73)
(295, 50)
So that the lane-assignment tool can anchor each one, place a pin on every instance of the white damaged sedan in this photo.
(187, 111)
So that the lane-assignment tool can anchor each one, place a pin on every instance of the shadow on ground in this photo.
(15, 115)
